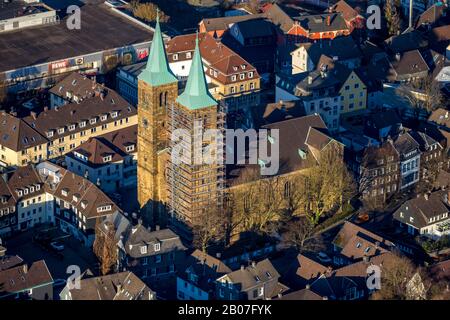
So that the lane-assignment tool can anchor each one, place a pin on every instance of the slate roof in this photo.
(408, 41)
(343, 48)
(293, 134)
(138, 236)
(7, 262)
(348, 13)
(113, 144)
(324, 22)
(76, 84)
(411, 63)
(422, 209)
(404, 144)
(356, 242)
(20, 278)
(223, 23)
(16, 134)
(255, 28)
(303, 294)
(251, 276)
(118, 286)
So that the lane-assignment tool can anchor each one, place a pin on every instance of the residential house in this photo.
(432, 153)
(259, 281)
(409, 153)
(109, 160)
(426, 215)
(197, 281)
(378, 171)
(354, 243)
(218, 26)
(117, 286)
(350, 281)
(74, 203)
(303, 294)
(233, 80)
(383, 124)
(8, 212)
(353, 17)
(153, 256)
(343, 50)
(30, 197)
(23, 282)
(74, 88)
(53, 133)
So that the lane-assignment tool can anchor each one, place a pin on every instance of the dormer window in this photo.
(104, 208)
(129, 148)
(107, 158)
(50, 133)
(76, 197)
(143, 249)
(243, 66)
(65, 192)
(31, 189)
(175, 56)
(242, 76)
(233, 78)
(84, 204)
(250, 74)
(71, 127)
(82, 124)
(25, 191)
(19, 192)
(157, 247)
(188, 55)
(61, 130)
(103, 117)
(235, 68)
(114, 114)
(93, 121)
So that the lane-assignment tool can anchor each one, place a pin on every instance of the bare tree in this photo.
(209, 227)
(298, 232)
(147, 11)
(433, 97)
(328, 185)
(392, 15)
(105, 247)
(395, 276)
(258, 202)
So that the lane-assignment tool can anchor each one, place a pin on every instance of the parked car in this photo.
(58, 246)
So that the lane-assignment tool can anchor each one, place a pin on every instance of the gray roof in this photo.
(422, 209)
(253, 275)
(118, 286)
(139, 236)
(405, 144)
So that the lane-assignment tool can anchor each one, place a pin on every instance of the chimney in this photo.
(325, 298)
(254, 264)
(25, 268)
(33, 114)
(366, 259)
(5, 176)
(218, 255)
(426, 196)
(139, 221)
(410, 13)
(310, 79)
(328, 20)
(45, 108)
(242, 267)
(398, 56)
(308, 286)
(157, 227)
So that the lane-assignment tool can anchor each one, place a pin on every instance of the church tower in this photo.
(157, 89)
(194, 187)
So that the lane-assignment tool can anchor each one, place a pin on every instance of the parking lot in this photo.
(57, 262)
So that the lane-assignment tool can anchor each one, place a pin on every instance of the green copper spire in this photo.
(196, 94)
(157, 71)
